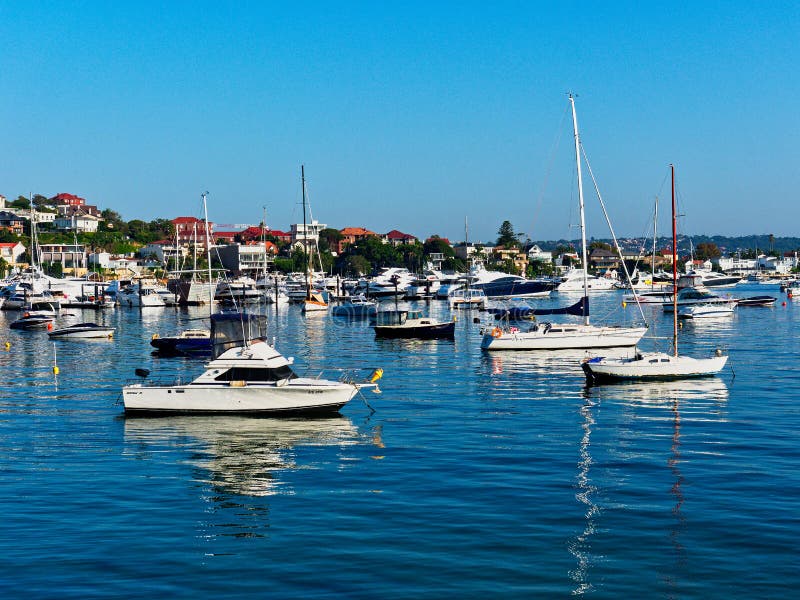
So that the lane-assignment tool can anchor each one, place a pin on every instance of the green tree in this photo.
(20, 202)
(601, 245)
(707, 250)
(506, 236)
(40, 201)
(329, 239)
(436, 245)
(357, 265)
(113, 220)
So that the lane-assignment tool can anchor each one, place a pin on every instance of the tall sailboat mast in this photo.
(208, 257)
(674, 268)
(305, 234)
(584, 259)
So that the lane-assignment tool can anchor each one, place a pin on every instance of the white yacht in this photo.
(389, 281)
(497, 284)
(690, 296)
(708, 279)
(572, 281)
(140, 294)
(244, 376)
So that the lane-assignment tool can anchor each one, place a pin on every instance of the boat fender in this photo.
(375, 375)
(155, 336)
(497, 332)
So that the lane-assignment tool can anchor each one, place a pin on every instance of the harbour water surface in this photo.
(478, 475)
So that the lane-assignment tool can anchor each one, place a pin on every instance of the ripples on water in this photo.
(479, 475)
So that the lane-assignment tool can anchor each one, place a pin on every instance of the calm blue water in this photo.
(479, 475)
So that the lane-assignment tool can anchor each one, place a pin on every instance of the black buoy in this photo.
(143, 373)
(476, 319)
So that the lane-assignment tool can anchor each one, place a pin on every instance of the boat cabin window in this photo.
(252, 374)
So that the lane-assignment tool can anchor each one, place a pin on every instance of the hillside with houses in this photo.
(73, 237)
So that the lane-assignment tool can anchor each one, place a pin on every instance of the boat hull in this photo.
(298, 396)
(94, 333)
(652, 367)
(438, 331)
(563, 337)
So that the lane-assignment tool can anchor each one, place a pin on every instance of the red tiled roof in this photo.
(398, 235)
(8, 244)
(445, 240)
(186, 220)
(356, 231)
(65, 196)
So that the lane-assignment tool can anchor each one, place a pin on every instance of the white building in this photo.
(71, 256)
(164, 251)
(11, 251)
(248, 259)
(309, 233)
(78, 223)
(537, 254)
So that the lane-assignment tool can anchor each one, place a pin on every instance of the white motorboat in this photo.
(355, 306)
(500, 285)
(139, 294)
(690, 296)
(467, 298)
(706, 311)
(246, 375)
(391, 281)
(656, 365)
(651, 297)
(572, 281)
(546, 336)
(708, 279)
(82, 331)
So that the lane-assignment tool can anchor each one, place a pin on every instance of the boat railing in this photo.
(164, 381)
(356, 375)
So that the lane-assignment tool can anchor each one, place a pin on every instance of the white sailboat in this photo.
(657, 365)
(315, 300)
(545, 336)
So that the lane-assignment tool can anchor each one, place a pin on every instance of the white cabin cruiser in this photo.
(245, 376)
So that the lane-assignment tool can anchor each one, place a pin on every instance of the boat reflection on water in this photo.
(698, 399)
(242, 455)
(662, 393)
(550, 362)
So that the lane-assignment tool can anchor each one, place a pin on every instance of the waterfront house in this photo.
(11, 252)
(71, 257)
(78, 222)
(351, 235)
(247, 259)
(398, 238)
(192, 231)
(603, 259)
(536, 254)
(11, 222)
(502, 254)
(306, 233)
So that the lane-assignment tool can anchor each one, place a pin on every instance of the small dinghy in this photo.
(757, 301)
(82, 331)
(29, 321)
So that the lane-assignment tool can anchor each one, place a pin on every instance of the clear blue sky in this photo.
(410, 116)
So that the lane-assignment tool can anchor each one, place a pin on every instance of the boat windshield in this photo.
(256, 374)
